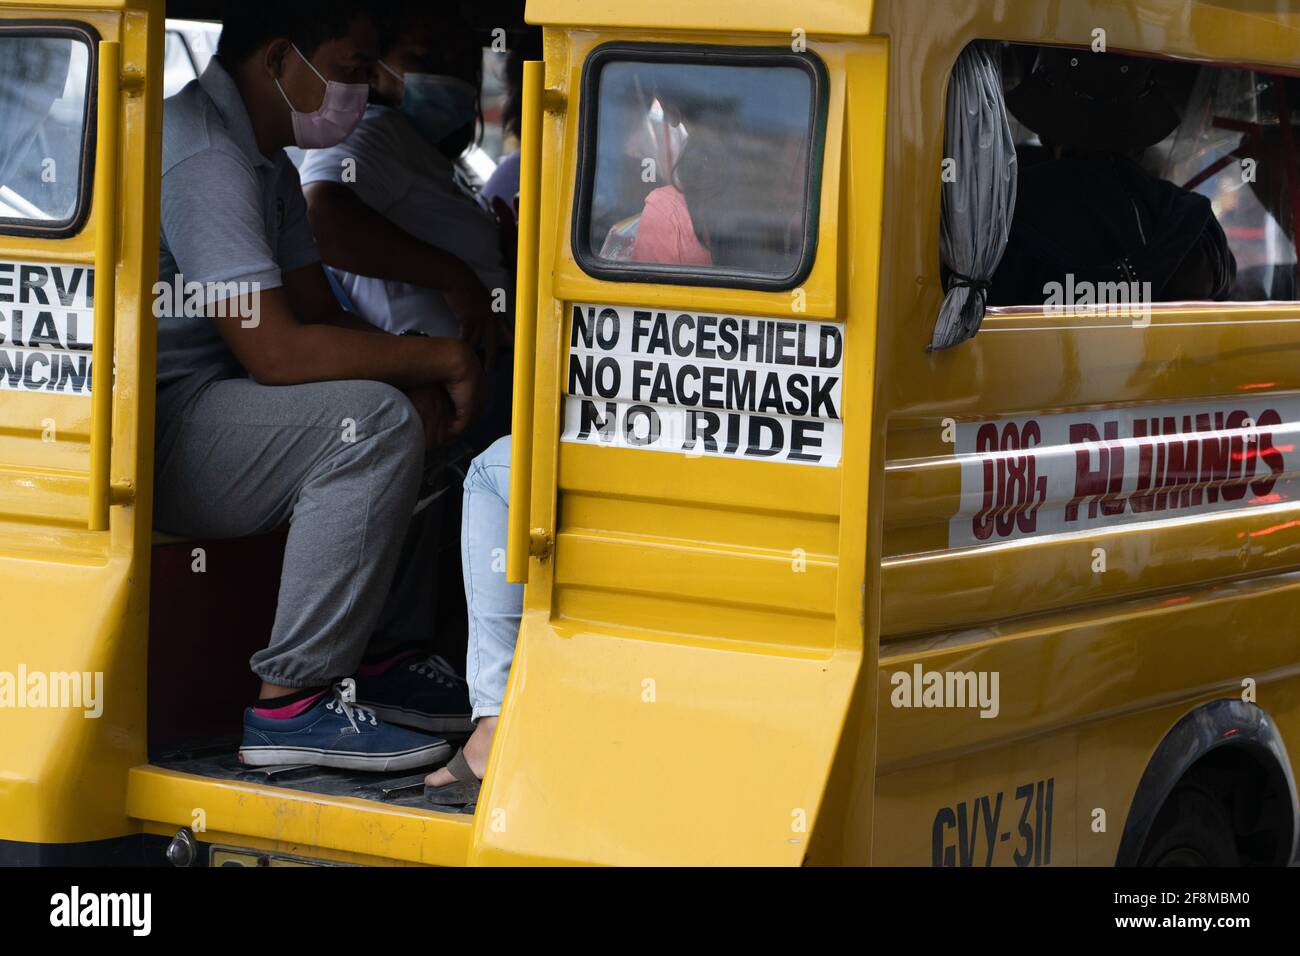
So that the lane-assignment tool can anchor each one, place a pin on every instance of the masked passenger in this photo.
(412, 247)
(294, 412)
(682, 222)
(731, 200)
(495, 608)
(1088, 210)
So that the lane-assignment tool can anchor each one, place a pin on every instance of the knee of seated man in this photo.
(385, 413)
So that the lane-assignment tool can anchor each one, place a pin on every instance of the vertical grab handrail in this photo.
(521, 452)
(105, 321)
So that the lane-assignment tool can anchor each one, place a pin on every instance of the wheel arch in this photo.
(1209, 728)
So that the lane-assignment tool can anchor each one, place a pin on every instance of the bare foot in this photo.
(477, 749)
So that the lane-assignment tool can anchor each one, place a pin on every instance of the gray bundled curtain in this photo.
(33, 73)
(978, 206)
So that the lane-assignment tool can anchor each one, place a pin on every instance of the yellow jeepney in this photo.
(741, 628)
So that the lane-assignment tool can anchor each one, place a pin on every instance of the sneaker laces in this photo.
(352, 711)
(435, 666)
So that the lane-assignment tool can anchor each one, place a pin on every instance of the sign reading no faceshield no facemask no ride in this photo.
(700, 384)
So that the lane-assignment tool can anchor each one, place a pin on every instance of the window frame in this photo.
(697, 55)
(76, 222)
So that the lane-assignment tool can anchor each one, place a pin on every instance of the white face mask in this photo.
(340, 112)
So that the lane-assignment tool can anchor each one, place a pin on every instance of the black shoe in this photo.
(424, 693)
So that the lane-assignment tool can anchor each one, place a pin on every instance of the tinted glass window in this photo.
(44, 84)
(701, 169)
(1238, 145)
(1180, 184)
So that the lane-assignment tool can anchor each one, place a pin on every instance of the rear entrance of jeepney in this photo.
(695, 680)
(740, 483)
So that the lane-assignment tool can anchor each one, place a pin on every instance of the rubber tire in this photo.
(1192, 829)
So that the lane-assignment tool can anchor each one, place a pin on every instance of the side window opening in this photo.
(699, 168)
(45, 92)
(1137, 181)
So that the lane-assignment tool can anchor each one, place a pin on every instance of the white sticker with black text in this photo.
(698, 384)
(47, 318)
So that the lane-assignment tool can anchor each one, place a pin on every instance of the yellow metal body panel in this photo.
(341, 829)
(1095, 667)
(81, 597)
(832, 17)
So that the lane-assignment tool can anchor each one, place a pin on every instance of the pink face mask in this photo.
(340, 112)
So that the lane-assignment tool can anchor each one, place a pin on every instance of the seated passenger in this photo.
(411, 246)
(734, 196)
(278, 408)
(495, 608)
(1091, 212)
(667, 233)
(699, 181)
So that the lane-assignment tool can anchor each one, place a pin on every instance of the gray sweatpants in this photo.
(342, 462)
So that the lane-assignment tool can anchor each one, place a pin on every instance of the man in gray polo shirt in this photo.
(275, 406)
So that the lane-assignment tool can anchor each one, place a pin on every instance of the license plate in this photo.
(235, 856)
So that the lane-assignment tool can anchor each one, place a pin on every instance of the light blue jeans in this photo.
(495, 607)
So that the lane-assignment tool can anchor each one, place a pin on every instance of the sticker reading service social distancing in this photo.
(47, 319)
(700, 384)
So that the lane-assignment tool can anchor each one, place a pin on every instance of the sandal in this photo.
(461, 793)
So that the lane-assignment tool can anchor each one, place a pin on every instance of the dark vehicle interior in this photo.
(1229, 134)
(205, 626)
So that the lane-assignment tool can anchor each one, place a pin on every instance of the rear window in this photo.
(45, 91)
(700, 166)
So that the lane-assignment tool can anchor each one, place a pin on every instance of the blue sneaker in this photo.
(336, 733)
(424, 693)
